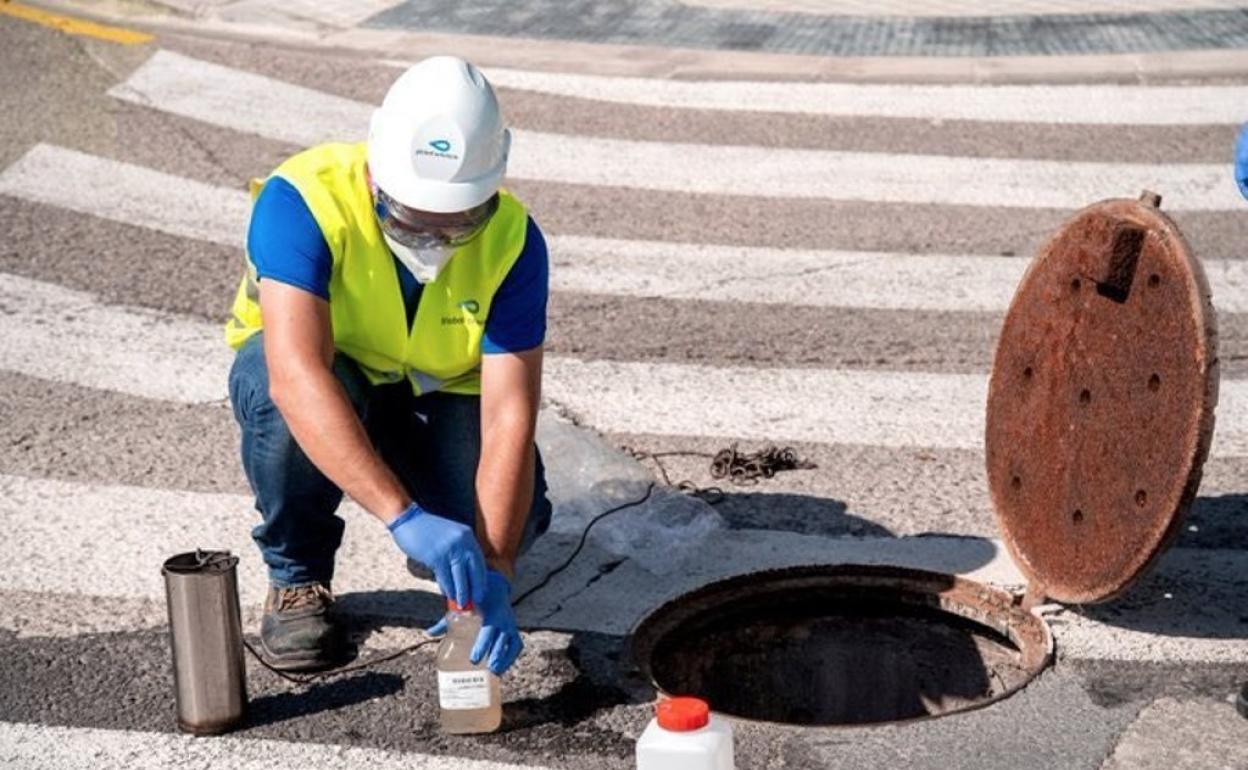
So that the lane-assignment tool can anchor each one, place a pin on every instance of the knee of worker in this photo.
(540, 511)
(249, 381)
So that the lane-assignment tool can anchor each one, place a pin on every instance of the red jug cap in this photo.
(682, 714)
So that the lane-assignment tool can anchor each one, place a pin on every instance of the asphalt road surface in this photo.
(818, 266)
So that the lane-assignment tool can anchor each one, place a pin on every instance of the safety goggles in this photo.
(419, 229)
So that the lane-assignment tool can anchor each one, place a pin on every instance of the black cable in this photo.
(737, 467)
(584, 536)
(358, 666)
(371, 662)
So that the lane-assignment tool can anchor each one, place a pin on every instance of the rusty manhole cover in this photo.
(842, 645)
(1100, 408)
(1100, 415)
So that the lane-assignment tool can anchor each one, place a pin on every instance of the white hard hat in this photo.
(437, 143)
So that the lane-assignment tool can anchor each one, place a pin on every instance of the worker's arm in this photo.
(511, 385)
(299, 352)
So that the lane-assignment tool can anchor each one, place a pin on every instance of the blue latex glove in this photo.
(448, 548)
(1241, 161)
(499, 638)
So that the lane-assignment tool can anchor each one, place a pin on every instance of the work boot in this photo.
(299, 631)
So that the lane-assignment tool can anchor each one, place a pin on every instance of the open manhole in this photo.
(843, 645)
(1100, 415)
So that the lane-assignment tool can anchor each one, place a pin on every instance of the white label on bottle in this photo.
(460, 690)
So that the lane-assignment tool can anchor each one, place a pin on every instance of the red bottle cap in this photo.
(453, 607)
(682, 714)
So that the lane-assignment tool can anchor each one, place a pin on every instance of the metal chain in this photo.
(747, 469)
(738, 467)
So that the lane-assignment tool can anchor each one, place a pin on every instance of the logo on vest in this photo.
(471, 307)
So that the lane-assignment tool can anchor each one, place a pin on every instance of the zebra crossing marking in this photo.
(143, 197)
(244, 101)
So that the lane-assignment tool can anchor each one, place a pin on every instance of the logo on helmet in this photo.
(441, 148)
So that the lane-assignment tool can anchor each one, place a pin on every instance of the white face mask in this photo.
(424, 263)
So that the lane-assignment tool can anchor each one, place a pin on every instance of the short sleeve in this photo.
(1241, 161)
(517, 318)
(285, 243)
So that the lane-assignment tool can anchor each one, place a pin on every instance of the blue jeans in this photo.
(431, 442)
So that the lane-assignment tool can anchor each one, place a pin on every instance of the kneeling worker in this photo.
(389, 331)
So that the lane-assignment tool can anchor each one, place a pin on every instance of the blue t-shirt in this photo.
(286, 245)
(1241, 161)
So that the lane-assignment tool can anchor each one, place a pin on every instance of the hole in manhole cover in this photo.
(842, 645)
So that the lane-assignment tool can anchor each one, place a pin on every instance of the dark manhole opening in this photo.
(842, 645)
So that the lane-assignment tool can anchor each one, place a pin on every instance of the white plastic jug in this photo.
(685, 735)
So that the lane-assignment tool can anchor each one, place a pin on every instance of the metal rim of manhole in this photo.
(842, 645)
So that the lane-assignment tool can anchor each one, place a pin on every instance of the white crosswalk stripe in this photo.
(182, 360)
(243, 101)
(1063, 104)
(128, 350)
(78, 748)
(126, 193)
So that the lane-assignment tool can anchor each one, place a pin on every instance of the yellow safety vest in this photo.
(442, 351)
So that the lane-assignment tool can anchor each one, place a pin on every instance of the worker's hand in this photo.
(446, 547)
(499, 641)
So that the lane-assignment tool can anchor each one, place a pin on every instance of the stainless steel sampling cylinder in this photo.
(206, 633)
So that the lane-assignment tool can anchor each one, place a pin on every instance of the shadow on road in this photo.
(559, 685)
(803, 514)
(327, 696)
(1196, 589)
(1216, 522)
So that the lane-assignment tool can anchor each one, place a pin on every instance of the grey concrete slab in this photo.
(1172, 733)
(1052, 723)
(664, 22)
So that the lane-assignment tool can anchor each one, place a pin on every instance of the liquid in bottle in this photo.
(469, 695)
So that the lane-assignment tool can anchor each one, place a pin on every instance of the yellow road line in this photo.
(72, 26)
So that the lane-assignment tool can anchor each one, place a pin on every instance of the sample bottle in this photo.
(685, 735)
(468, 695)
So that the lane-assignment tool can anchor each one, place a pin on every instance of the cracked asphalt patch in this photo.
(564, 704)
(574, 700)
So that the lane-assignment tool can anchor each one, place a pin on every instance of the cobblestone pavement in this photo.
(664, 22)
